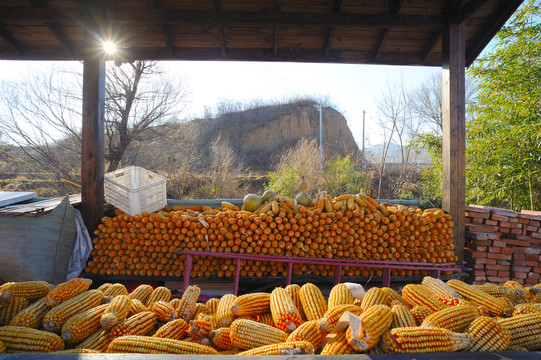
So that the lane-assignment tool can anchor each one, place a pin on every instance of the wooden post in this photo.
(454, 125)
(92, 159)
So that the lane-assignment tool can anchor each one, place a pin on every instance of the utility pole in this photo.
(363, 158)
(320, 139)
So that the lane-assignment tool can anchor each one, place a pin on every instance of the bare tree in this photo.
(42, 113)
(225, 169)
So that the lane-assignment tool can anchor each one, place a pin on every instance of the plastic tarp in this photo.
(41, 248)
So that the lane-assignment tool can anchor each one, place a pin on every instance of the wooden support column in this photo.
(92, 159)
(454, 125)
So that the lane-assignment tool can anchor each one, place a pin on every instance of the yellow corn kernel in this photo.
(248, 334)
(141, 293)
(175, 329)
(488, 335)
(365, 331)
(374, 296)
(402, 316)
(23, 339)
(139, 324)
(308, 331)
(420, 313)
(212, 305)
(417, 295)
(340, 295)
(117, 310)
(456, 318)
(115, 290)
(288, 348)
(495, 306)
(30, 289)
(221, 338)
(66, 291)
(338, 346)
(525, 330)
(98, 341)
(284, 312)
(187, 304)
(224, 316)
(82, 325)
(394, 297)
(57, 316)
(251, 304)
(31, 316)
(293, 291)
(155, 345)
(313, 302)
(332, 316)
(12, 308)
(160, 293)
(419, 339)
(266, 319)
(438, 286)
(163, 310)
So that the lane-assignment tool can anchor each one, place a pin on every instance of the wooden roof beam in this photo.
(464, 12)
(124, 16)
(221, 35)
(275, 43)
(330, 31)
(165, 30)
(435, 41)
(12, 42)
(394, 9)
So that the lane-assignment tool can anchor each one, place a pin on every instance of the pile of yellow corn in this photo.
(430, 317)
(346, 227)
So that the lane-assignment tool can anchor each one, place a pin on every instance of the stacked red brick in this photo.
(503, 245)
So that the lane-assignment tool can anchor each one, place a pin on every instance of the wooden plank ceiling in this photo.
(403, 32)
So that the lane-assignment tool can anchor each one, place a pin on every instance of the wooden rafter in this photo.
(165, 30)
(465, 11)
(12, 42)
(221, 34)
(136, 17)
(394, 9)
(56, 29)
(330, 30)
(434, 42)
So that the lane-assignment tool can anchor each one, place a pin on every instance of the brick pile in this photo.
(503, 245)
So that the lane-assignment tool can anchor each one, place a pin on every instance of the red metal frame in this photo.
(386, 266)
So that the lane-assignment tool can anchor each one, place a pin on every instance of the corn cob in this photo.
(77, 351)
(186, 307)
(104, 287)
(308, 331)
(417, 295)
(266, 319)
(229, 352)
(338, 346)
(117, 310)
(31, 316)
(115, 290)
(420, 313)
(284, 312)
(312, 301)
(394, 297)
(98, 341)
(332, 316)
(106, 299)
(247, 334)
(80, 326)
(525, 330)
(516, 348)
(5, 297)
(293, 291)
(495, 306)
(156, 345)
(456, 318)
(136, 307)
(221, 338)
(251, 304)
(57, 317)
(511, 284)
(527, 308)
(30, 289)
(66, 291)
(141, 293)
(175, 302)
(451, 300)
(437, 286)
(23, 339)
(402, 317)
(418, 339)
(175, 329)
(374, 296)
(2, 348)
(160, 293)
(212, 305)
(200, 308)
(514, 294)
(12, 308)
(7, 285)
(488, 335)
(164, 311)
(365, 331)
(288, 348)
(224, 316)
(202, 326)
(340, 295)
(138, 324)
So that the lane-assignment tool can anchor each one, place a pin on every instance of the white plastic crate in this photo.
(134, 189)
